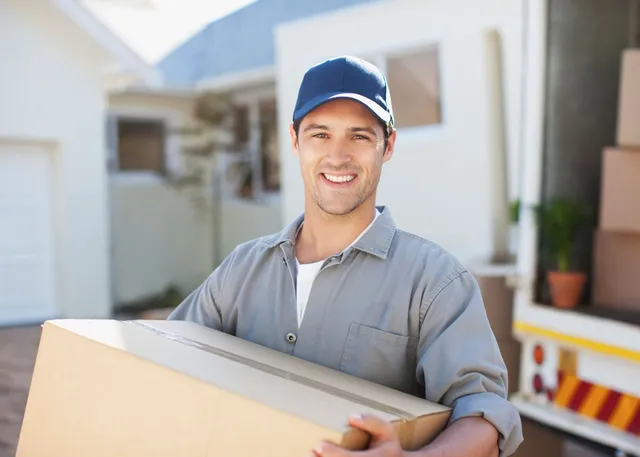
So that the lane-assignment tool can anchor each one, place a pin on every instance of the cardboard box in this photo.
(498, 302)
(628, 134)
(157, 388)
(616, 263)
(620, 191)
(511, 354)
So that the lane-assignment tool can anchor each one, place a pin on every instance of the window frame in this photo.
(170, 119)
(381, 60)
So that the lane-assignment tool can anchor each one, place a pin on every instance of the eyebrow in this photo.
(352, 129)
(315, 127)
(364, 129)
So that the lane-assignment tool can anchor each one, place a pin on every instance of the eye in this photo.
(320, 135)
(361, 137)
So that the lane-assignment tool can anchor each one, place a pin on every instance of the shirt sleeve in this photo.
(203, 304)
(460, 362)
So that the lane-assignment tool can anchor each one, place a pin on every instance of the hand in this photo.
(384, 440)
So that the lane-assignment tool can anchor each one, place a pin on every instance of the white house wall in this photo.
(51, 92)
(441, 182)
(244, 220)
(160, 237)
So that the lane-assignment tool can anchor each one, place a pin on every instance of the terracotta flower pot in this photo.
(566, 288)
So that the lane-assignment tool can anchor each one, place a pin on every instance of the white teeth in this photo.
(339, 178)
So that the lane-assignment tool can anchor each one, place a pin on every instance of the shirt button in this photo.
(291, 337)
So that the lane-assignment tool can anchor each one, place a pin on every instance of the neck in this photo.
(323, 235)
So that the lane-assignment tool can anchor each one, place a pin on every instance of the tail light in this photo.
(538, 354)
(538, 385)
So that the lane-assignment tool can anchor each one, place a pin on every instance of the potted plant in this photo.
(560, 221)
(514, 220)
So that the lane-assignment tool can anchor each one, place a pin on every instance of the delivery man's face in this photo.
(341, 149)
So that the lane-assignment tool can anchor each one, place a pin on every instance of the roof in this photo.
(129, 60)
(240, 42)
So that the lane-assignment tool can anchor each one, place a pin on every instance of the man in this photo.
(343, 287)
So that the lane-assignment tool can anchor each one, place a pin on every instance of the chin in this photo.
(337, 209)
(338, 212)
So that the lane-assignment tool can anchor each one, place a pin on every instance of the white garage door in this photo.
(27, 278)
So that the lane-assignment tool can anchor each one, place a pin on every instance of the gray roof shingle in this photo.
(241, 41)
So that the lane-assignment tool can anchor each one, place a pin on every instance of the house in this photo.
(99, 221)
(454, 71)
(233, 57)
(58, 63)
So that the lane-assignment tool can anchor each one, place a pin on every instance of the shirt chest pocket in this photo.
(381, 357)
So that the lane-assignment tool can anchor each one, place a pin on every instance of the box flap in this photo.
(244, 367)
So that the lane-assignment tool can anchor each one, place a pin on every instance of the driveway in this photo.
(18, 347)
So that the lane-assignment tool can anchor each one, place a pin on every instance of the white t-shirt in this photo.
(307, 274)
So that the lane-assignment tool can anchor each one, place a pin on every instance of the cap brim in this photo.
(312, 104)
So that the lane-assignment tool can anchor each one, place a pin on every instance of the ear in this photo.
(294, 140)
(391, 143)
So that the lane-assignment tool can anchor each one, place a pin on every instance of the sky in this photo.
(154, 27)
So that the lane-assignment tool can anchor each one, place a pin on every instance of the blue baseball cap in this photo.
(344, 77)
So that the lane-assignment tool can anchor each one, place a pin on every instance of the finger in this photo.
(378, 428)
(327, 449)
(330, 450)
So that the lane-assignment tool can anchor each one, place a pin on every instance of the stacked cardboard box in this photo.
(616, 251)
(629, 100)
(157, 388)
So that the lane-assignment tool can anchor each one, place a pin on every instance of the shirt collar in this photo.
(376, 241)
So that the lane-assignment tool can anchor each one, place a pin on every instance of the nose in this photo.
(338, 154)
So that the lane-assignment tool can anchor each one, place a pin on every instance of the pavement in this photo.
(18, 349)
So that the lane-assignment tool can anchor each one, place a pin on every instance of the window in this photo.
(414, 83)
(252, 163)
(241, 127)
(141, 145)
(269, 145)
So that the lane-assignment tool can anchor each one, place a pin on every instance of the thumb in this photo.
(379, 429)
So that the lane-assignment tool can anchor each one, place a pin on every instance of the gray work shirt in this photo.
(393, 308)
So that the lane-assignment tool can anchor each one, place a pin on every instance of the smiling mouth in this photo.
(338, 179)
